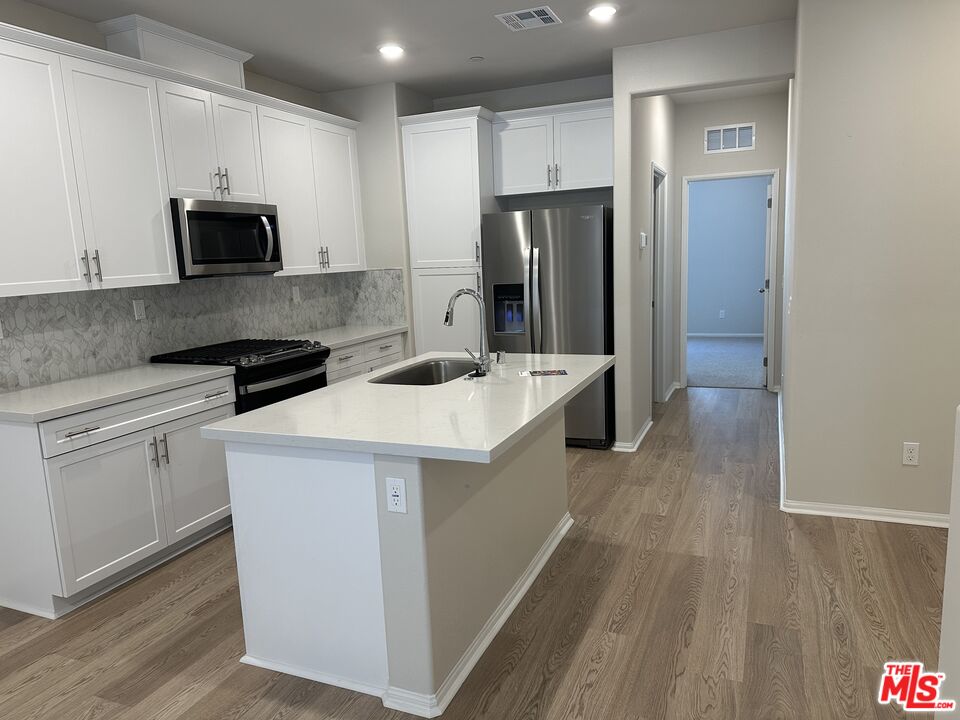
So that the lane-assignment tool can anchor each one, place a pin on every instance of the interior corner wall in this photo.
(750, 54)
(770, 113)
(873, 340)
(58, 24)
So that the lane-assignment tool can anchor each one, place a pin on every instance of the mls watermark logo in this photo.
(915, 690)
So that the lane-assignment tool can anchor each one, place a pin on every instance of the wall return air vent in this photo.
(529, 19)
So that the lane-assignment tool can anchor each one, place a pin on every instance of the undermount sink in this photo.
(428, 372)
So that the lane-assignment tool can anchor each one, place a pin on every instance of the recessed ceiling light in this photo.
(603, 13)
(476, 59)
(391, 51)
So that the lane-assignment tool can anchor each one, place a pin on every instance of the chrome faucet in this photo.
(482, 362)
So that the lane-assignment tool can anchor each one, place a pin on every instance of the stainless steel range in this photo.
(267, 371)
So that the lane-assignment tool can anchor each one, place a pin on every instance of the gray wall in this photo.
(726, 247)
(527, 96)
(872, 329)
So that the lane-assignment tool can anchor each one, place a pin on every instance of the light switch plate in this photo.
(296, 295)
(139, 311)
(643, 241)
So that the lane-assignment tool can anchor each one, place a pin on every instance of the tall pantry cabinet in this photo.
(448, 173)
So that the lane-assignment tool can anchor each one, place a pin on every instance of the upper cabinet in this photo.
(337, 178)
(211, 144)
(118, 153)
(558, 148)
(43, 234)
(448, 185)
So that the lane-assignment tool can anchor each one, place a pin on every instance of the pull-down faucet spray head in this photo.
(483, 361)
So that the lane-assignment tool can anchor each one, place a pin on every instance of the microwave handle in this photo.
(266, 226)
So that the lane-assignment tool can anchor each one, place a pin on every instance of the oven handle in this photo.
(266, 226)
(281, 381)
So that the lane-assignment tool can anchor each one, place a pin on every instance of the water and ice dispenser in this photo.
(509, 316)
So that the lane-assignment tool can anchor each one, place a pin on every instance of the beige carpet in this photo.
(725, 362)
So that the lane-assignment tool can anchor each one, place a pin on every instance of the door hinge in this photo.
(764, 362)
(769, 202)
(766, 283)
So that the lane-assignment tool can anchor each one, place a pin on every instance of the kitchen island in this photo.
(385, 532)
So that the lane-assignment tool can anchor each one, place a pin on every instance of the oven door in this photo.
(255, 395)
(225, 238)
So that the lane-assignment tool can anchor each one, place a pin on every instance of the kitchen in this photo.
(325, 403)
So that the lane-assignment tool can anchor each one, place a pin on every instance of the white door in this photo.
(768, 309)
(193, 474)
(107, 508)
(289, 184)
(523, 156)
(238, 147)
(441, 165)
(118, 151)
(432, 290)
(189, 143)
(42, 231)
(338, 196)
(584, 149)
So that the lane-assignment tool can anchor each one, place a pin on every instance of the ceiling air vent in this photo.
(529, 19)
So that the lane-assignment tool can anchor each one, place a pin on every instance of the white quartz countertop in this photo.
(47, 402)
(338, 337)
(469, 420)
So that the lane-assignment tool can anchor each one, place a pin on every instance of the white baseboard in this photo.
(632, 447)
(674, 386)
(430, 706)
(724, 335)
(783, 452)
(858, 512)
(325, 678)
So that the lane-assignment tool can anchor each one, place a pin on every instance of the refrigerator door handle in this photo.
(526, 295)
(537, 320)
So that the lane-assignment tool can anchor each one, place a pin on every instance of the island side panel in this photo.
(308, 560)
(485, 532)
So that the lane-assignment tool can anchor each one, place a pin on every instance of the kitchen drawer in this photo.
(336, 376)
(343, 358)
(95, 426)
(374, 349)
(384, 361)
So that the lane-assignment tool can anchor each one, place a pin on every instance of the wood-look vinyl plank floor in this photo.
(681, 592)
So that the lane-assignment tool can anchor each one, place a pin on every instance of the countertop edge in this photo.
(380, 332)
(210, 372)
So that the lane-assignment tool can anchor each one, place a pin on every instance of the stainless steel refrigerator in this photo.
(548, 288)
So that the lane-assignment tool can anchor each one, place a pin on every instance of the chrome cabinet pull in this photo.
(326, 256)
(320, 256)
(96, 259)
(478, 282)
(78, 433)
(219, 186)
(476, 246)
(556, 175)
(156, 458)
(85, 259)
(344, 358)
(215, 395)
(386, 347)
(549, 183)
(166, 450)
(226, 179)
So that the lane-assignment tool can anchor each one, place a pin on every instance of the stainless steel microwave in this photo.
(214, 237)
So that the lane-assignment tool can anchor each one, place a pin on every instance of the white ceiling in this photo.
(329, 45)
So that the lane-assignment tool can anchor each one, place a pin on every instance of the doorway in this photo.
(660, 364)
(728, 279)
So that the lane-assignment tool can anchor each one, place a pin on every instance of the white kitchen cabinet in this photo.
(107, 508)
(189, 142)
(337, 178)
(193, 475)
(285, 144)
(523, 155)
(238, 149)
(432, 289)
(449, 184)
(121, 174)
(43, 234)
(563, 147)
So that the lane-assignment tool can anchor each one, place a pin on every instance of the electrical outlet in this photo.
(139, 311)
(723, 314)
(911, 453)
(396, 495)
(296, 295)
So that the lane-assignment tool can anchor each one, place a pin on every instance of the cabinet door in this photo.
(118, 151)
(107, 508)
(338, 195)
(441, 165)
(523, 156)
(42, 232)
(189, 144)
(584, 149)
(289, 184)
(193, 474)
(431, 292)
(238, 147)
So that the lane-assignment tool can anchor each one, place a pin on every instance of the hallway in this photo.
(681, 592)
(725, 362)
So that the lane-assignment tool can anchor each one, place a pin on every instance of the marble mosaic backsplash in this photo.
(48, 338)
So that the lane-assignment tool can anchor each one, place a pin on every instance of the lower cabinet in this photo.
(354, 360)
(118, 502)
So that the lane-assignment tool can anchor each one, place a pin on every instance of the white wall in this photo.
(726, 249)
(527, 96)
(873, 334)
(770, 113)
(40, 19)
(760, 52)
